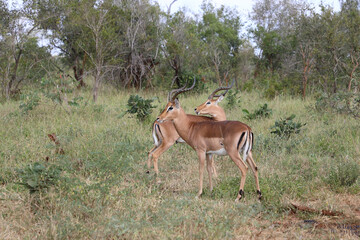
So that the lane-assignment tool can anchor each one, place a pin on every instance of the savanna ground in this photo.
(99, 189)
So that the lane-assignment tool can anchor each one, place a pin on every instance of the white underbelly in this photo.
(221, 152)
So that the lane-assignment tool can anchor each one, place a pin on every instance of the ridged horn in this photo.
(173, 94)
(212, 95)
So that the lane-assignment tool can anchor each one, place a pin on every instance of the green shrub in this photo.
(139, 106)
(341, 102)
(342, 174)
(286, 127)
(29, 102)
(188, 78)
(39, 176)
(232, 100)
(262, 112)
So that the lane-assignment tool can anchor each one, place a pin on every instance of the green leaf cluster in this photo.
(262, 112)
(39, 176)
(286, 127)
(140, 106)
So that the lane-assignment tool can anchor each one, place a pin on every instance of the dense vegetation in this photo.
(75, 126)
(289, 47)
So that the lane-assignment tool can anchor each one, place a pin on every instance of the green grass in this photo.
(104, 192)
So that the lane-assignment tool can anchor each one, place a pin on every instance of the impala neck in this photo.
(183, 124)
(219, 115)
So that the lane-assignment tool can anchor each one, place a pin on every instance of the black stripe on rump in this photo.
(241, 137)
(252, 140)
(158, 127)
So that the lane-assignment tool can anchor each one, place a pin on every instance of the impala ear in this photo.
(177, 103)
(219, 99)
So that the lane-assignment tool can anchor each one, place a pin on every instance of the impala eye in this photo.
(170, 108)
(208, 103)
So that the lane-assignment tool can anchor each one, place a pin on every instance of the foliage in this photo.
(342, 174)
(286, 127)
(232, 99)
(39, 176)
(29, 102)
(187, 78)
(140, 106)
(262, 112)
(341, 102)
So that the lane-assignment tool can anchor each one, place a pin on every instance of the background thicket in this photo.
(288, 47)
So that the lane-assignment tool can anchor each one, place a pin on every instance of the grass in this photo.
(103, 191)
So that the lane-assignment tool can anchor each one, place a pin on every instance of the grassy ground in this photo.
(99, 189)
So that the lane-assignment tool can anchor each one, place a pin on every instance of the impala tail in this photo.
(245, 143)
(156, 133)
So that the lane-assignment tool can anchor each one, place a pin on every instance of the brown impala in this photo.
(165, 134)
(209, 108)
(211, 137)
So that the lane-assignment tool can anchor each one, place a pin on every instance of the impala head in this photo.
(173, 108)
(211, 104)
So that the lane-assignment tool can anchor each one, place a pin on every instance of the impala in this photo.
(165, 134)
(209, 107)
(210, 137)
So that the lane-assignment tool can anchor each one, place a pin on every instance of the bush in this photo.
(286, 127)
(29, 102)
(341, 102)
(139, 106)
(262, 112)
(39, 176)
(188, 79)
(343, 174)
(232, 100)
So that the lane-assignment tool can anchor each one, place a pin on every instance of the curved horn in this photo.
(212, 95)
(174, 90)
(181, 90)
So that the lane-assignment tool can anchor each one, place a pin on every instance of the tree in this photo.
(63, 26)
(350, 14)
(219, 30)
(275, 28)
(21, 56)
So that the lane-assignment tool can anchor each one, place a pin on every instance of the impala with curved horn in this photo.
(207, 108)
(165, 134)
(211, 106)
(211, 137)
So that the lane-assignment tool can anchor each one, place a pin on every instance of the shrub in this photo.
(341, 102)
(286, 127)
(343, 174)
(262, 112)
(29, 102)
(139, 106)
(39, 176)
(232, 100)
(188, 78)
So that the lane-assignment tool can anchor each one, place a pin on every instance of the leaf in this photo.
(32, 183)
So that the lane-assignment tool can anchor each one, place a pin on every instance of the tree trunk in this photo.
(13, 75)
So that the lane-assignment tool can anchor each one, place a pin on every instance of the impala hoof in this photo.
(147, 171)
(240, 195)
(259, 194)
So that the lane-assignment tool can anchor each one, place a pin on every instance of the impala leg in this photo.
(157, 153)
(209, 167)
(234, 155)
(254, 168)
(150, 157)
(201, 156)
(213, 165)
